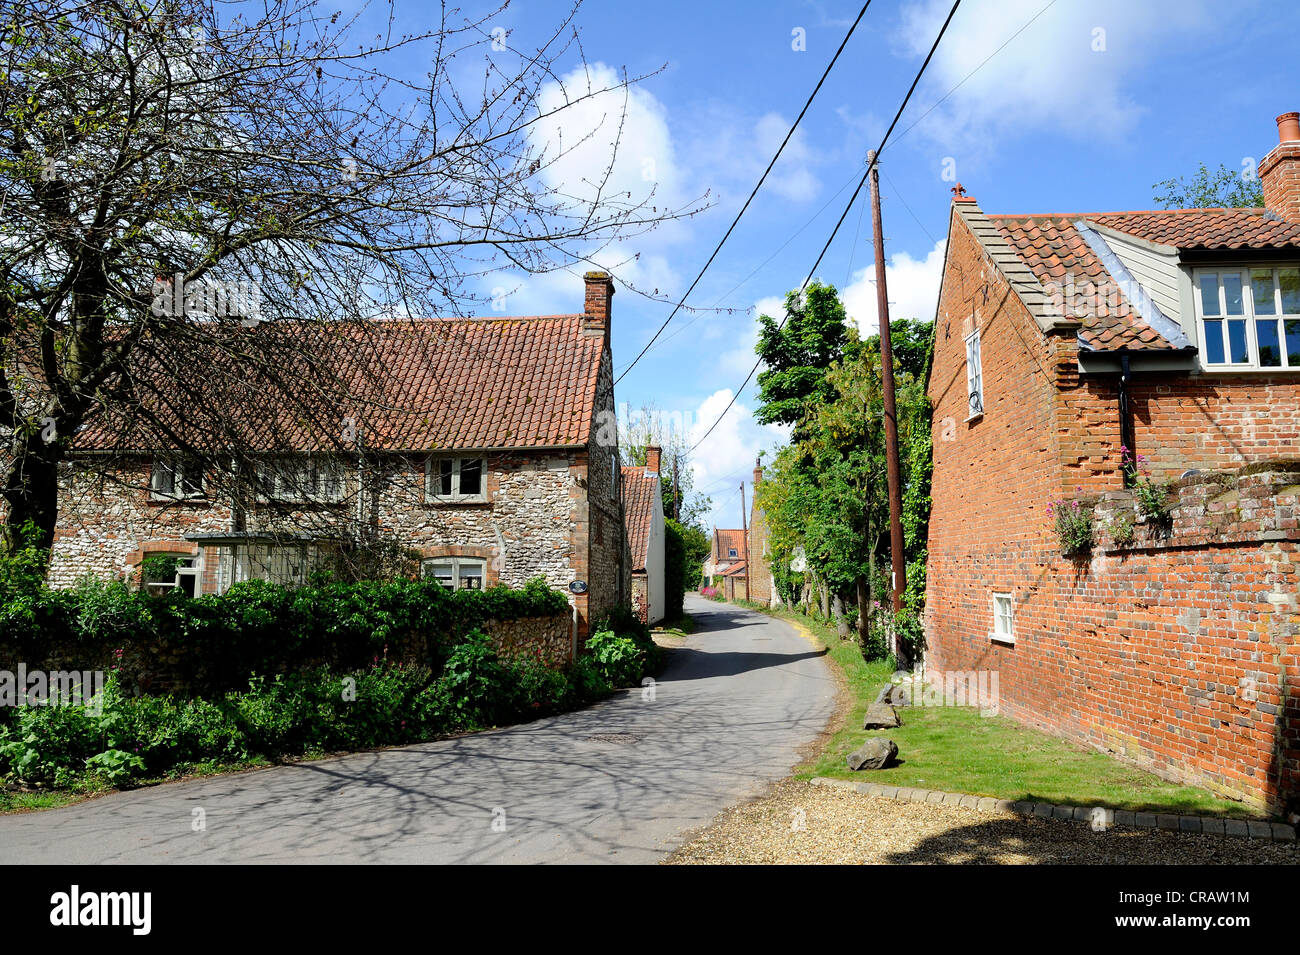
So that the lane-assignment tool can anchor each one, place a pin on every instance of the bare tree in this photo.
(205, 205)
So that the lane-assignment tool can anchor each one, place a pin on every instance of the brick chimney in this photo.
(758, 472)
(600, 292)
(652, 453)
(1279, 171)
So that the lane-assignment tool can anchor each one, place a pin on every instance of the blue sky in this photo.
(1088, 107)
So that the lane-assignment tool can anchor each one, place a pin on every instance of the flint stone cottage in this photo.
(498, 462)
(644, 514)
(1060, 342)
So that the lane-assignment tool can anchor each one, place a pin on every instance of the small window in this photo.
(182, 574)
(172, 480)
(732, 552)
(455, 573)
(456, 479)
(974, 377)
(1003, 619)
(301, 480)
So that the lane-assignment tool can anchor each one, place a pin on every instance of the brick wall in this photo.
(1146, 653)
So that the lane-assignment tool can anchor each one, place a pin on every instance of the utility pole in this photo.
(677, 464)
(744, 533)
(891, 413)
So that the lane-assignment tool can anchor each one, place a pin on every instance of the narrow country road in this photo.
(617, 782)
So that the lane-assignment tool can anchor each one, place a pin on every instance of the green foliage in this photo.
(22, 570)
(797, 355)
(1072, 522)
(1152, 496)
(1122, 530)
(1221, 188)
(622, 622)
(260, 627)
(685, 549)
(620, 660)
(477, 683)
(159, 569)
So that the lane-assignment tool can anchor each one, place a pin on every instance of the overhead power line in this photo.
(761, 180)
(852, 199)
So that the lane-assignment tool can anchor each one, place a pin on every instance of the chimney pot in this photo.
(1288, 128)
(596, 306)
(652, 454)
(1279, 171)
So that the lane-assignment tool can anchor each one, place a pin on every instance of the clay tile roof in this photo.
(639, 491)
(726, 539)
(1205, 228)
(1054, 250)
(735, 570)
(418, 384)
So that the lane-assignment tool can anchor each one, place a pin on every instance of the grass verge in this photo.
(954, 749)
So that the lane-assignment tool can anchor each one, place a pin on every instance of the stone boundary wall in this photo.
(548, 640)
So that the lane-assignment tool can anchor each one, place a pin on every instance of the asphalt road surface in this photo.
(621, 781)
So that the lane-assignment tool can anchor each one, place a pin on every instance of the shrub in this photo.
(476, 682)
(620, 659)
(1072, 522)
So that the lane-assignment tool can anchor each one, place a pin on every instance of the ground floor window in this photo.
(1003, 619)
(289, 565)
(456, 573)
(163, 573)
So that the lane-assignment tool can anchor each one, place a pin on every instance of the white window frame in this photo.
(179, 471)
(974, 377)
(301, 480)
(190, 565)
(1004, 624)
(433, 471)
(456, 563)
(1248, 315)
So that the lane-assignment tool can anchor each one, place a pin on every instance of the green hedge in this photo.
(133, 738)
(212, 644)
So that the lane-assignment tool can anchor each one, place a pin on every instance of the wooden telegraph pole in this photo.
(891, 415)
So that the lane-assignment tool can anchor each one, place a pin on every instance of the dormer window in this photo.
(1249, 318)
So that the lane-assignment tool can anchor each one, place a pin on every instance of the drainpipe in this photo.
(1126, 417)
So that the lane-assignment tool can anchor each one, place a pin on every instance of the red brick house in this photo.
(646, 534)
(490, 449)
(762, 585)
(1060, 339)
(727, 552)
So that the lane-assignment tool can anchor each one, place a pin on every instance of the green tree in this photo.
(797, 355)
(1221, 188)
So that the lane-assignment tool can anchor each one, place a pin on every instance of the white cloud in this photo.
(580, 138)
(913, 286)
(791, 177)
(1065, 74)
(727, 456)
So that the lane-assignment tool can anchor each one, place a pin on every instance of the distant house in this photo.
(644, 505)
(484, 453)
(727, 549)
(1063, 344)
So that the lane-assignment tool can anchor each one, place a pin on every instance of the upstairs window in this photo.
(731, 552)
(1249, 318)
(974, 377)
(171, 480)
(456, 480)
(301, 480)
